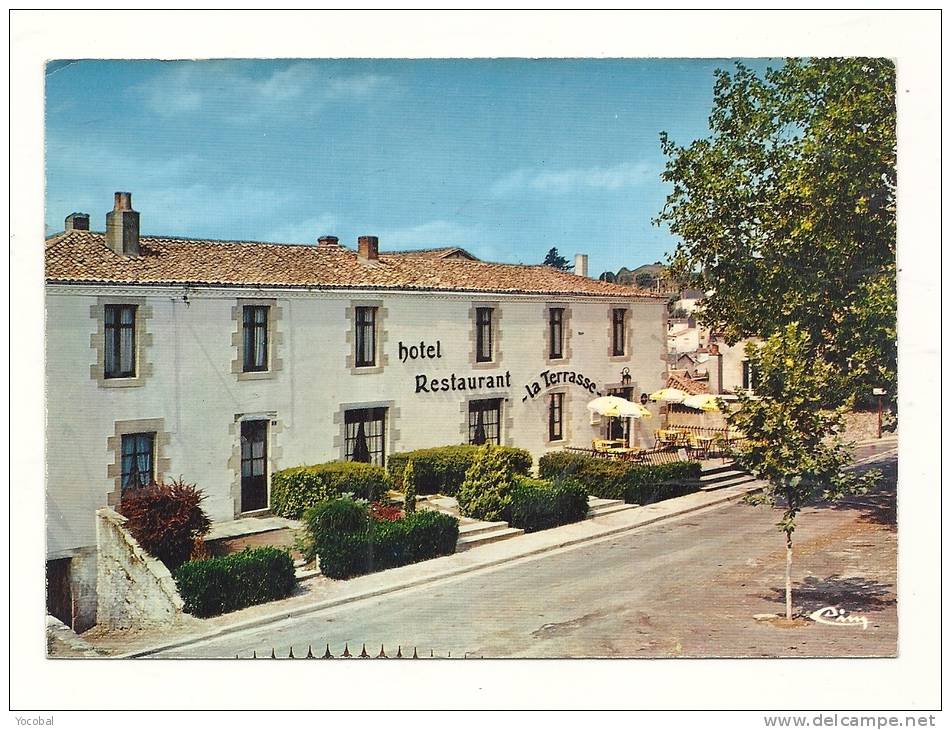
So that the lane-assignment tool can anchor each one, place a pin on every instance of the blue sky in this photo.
(506, 158)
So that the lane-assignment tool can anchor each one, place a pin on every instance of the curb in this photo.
(335, 602)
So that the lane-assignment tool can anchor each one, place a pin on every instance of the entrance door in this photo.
(59, 594)
(618, 427)
(253, 465)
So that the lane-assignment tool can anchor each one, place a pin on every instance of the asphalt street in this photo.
(689, 586)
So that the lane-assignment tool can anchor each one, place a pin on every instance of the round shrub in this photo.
(166, 519)
(442, 469)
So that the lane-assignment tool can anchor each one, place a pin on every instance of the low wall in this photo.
(134, 588)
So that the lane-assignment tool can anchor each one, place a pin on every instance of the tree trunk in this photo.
(789, 576)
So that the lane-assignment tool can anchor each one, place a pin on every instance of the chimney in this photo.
(77, 222)
(368, 248)
(122, 227)
(328, 241)
(581, 264)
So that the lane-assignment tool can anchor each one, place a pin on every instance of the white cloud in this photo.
(569, 180)
(232, 91)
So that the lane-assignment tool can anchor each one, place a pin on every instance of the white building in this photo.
(224, 362)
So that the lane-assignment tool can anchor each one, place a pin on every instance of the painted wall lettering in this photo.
(548, 378)
(426, 384)
(422, 351)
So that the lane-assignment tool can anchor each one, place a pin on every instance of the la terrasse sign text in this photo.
(453, 382)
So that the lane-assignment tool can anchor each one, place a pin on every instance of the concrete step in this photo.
(467, 542)
(709, 476)
(599, 502)
(609, 509)
(710, 486)
(478, 528)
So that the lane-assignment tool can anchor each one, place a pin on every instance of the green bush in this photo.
(219, 585)
(409, 487)
(348, 543)
(538, 505)
(634, 483)
(485, 493)
(441, 470)
(295, 490)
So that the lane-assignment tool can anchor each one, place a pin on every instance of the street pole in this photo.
(879, 416)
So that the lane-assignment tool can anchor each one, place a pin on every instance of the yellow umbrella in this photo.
(643, 411)
(614, 407)
(668, 395)
(702, 402)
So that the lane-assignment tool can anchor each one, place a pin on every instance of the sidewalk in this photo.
(327, 594)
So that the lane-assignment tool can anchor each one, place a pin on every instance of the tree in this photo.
(787, 212)
(793, 440)
(556, 260)
(645, 280)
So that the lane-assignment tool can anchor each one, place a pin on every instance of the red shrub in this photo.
(166, 519)
(385, 512)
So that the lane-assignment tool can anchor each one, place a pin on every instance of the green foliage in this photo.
(219, 585)
(793, 440)
(634, 483)
(440, 470)
(538, 505)
(349, 543)
(409, 487)
(166, 519)
(295, 490)
(556, 261)
(787, 212)
(485, 493)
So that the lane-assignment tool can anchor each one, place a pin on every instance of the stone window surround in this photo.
(391, 433)
(275, 338)
(143, 342)
(274, 453)
(628, 333)
(565, 334)
(380, 336)
(496, 333)
(161, 464)
(506, 420)
(565, 419)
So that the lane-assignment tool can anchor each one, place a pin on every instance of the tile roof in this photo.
(691, 387)
(82, 257)
(438, 253)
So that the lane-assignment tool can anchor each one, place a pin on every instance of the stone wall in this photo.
(863, 426)
(134, 588)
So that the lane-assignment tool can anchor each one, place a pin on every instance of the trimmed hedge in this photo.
(634, 483)
(359, 547)
(295, 490)
(442, 469)
(538, 505)
(220, 585)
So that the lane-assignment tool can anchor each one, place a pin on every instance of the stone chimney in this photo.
(328, 241)
(77, 222)
(581, 264)
(368, 248)
(122, 227)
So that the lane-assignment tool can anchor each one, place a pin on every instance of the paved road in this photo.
(686, 587)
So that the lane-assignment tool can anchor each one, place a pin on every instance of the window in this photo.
(120, 340)
(556, 333)
(365, 435)
(556, 411)
(365, 340)
(255, 338)
(138, 459)
(747, 375)
(618, 331)
(484, 334)
(484, 421)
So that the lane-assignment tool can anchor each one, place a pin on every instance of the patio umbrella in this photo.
(611, 405)
(668, 395)
(702, 402)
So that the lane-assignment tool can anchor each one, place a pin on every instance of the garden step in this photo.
(608, 509)
(476, 527)
(709, 476)
(468, 542)
(599, 502)
(744, 479)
